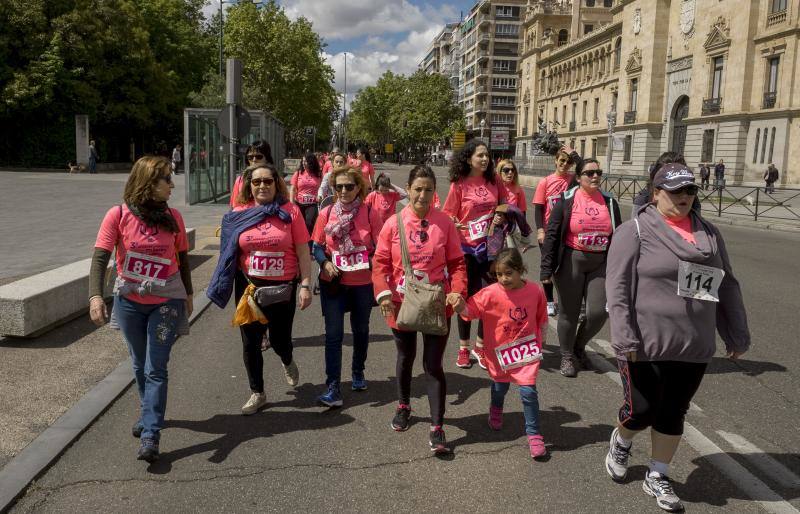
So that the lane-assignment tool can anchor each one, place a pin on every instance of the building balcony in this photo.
(484, 39)
(630, 117)
(482, 55)
(769, 100)
(503, 107)
(480, 107)
(712, 106)
(572, 126)
(481, 90)
(500, 71)
(482, 72)
(776, 18)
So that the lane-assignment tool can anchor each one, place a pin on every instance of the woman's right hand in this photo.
(387, 306)
(547, 280)
(540, 235)
(98, 311)
(331, 270)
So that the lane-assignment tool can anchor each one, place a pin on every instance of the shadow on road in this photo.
(314, 341)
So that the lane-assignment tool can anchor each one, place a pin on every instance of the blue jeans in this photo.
(336, 300)
(150, 331)
(530, 403)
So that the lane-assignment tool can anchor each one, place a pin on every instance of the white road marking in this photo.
(769, 466)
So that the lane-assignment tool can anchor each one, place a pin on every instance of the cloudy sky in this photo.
(378, 35)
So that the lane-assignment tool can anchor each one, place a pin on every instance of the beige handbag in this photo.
(423, 306)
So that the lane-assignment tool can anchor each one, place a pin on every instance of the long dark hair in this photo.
(263, 148)
(460, 166)
(312, 165)
(365, 154)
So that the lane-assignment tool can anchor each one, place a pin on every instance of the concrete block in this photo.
(40, 302)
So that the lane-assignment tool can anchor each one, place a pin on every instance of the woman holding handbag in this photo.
(417, 265)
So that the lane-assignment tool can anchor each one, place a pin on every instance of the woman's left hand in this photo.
(526, 248)
(734, 355)
(305, 298)
(189, 305)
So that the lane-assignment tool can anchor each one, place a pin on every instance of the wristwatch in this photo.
(304, 286)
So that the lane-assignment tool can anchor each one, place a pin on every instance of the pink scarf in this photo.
(340, 229)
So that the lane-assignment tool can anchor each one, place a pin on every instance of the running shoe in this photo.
(438, 442)
(660, 487)
(552, 310)
(359, 382)
(583, 360)
(477, 352)
(256, 401)
(332, 398)
(136, 429)
(495, 417)
(148, 450)
(536, 445)
(568, 367)
(291, 373)
(617, 457)
(402, 417)
(463, 358)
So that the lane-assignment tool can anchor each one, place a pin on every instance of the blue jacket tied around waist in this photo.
(233, 224)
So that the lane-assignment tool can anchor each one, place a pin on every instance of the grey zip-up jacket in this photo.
(647, 315)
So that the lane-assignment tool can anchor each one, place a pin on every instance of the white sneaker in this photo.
(660, 487)
(256, 401)
(551, 309)
(617, 458)
(292, 374)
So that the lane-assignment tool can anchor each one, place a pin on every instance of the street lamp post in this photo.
(222, 25)
(611, 117)
(344, 103)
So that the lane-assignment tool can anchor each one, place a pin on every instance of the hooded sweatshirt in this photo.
(647, 315)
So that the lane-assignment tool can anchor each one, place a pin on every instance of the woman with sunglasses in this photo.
(574, 258)
(304, 186)
(645, 196)
(153, 289)
(264, 242)
(547, 194)
(516, 197)
(259, 152)
(670, 289)
(475, 192)
(344, 241)
(435, 255)
(338, 160)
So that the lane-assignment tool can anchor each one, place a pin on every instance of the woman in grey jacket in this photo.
(669, 285)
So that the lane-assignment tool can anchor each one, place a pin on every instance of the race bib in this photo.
(356, 260)
(518, 353)
(266, 264)
(699, 282)
(146, 268)
(479, 228)
(593, 241)
(305, 198)
(401, 284)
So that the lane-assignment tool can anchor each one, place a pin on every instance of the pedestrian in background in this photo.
(93, 157)
(303, 188)
(153, 289)
(176, 158)
(669, 286)
(705, 174)
(719, 174)
(259, 152)
(385, 197)
(770, 177)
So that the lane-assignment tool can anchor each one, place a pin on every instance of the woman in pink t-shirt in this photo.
(385, 197)
(435, 255)
(574, 258)
(509, 175)
(304, 187)
(153, 289)
(344, 238)
(259, 152)
(363, 161)
(514, 312)
(474, 194)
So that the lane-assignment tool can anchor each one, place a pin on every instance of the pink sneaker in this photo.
(463, 358)
(479, 356)
(536, 443)
(495, 418)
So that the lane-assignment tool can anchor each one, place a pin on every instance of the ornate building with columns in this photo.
(710, 79)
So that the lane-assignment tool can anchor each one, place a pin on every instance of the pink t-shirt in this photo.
(385, 204)
(267, 250)
(368, 170)
(516, 196)
(306, 186)
(472, 201)
(355, 266)
(683, 227)
(589, 224)
(237, 186)
(135, 242)
(516, 316)
(437, 203)
(548, 191)
(327, 167)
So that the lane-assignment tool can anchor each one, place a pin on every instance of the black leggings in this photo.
(658, 393)
(310, 213)
(548, 288)
(476, 271)
(281, 317)
(432, 353)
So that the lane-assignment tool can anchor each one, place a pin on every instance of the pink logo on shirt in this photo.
(518, 314)
(482, 192)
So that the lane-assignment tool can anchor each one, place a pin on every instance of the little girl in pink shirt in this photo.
(514, 315)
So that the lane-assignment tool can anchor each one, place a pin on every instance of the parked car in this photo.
(377, 159)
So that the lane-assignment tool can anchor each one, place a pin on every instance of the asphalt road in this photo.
(298, 456)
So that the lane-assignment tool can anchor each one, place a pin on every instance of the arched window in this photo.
(563, 37)
(618, 53)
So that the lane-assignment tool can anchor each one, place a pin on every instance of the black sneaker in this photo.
(136, 429)
(660, 487)
(148, 450)
(438, 442)
(568, 367)
(402, 416)
(583, 360)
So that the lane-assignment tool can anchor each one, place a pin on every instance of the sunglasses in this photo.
(423, 234)
(342, 187)
(256, 182)
(689, 190)
(168, 178)
(592, 173)
(255, 157)
(562, 161)
(507, 170)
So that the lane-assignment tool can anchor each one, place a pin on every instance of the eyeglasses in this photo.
(592, 173)
(423, 234)
(689, 190)
(562, 161)
(256, 182)
(168, 178)
(507, 170)
(255, 157)
(341, 187)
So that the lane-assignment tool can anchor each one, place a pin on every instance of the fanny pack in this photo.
(267, 295)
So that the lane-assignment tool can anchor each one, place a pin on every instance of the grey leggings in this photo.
(581, 275)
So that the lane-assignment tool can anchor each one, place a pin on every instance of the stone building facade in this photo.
(710, 79)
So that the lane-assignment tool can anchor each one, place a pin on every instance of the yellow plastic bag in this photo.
(248, 310)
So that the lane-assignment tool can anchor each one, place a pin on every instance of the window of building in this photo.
(608, 3)
(583, 147)
(506, 29)
(716, 77)
(563, 114)
(614, 101)
(707, 152)
(504, 11)
(594, 148)
(504, 65)
(772, 76)
(574, 111)
(502, 119)
(563, 37)
(589, 3)
(504, 82)
(755, 150)
(525, 122)
(541, 82)
(634, 100)
(626, 154)
(587, 28)
(596, 108)
(777, 6)
(617, 53)
(585, 109)
(504, 100)
(771, 144)
(764, 146)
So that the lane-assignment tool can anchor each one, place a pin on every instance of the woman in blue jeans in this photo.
(153, 289)
(344, 240)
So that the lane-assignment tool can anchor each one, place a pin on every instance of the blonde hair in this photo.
(505, 162)
(353, 173)
(145, 174)
(246, 191)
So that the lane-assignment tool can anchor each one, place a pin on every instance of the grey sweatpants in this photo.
(581, 275)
